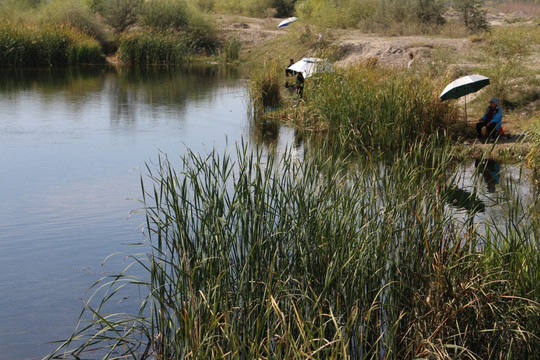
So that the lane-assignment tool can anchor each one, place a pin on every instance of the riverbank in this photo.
(446, 56)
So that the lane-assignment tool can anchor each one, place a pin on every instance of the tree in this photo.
(431, 11)
(284, 8)
(472, 14)
(120, 14)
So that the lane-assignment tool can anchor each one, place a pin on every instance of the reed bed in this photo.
(265, 89)
(261, 255)
(25, 45)
(154, 48)
(367, 107)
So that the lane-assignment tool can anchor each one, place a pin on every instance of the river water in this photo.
(74, 144)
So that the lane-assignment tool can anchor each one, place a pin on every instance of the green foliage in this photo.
(76, 14)
(472, 14)
(120, 14)
(22, 45)
(231, 49)
(265, 88)
(284, 8)
(261, 255)
(165, 14)
(257, 8)
(366, 107)
(533, 136)
(342, 14)
(431, 11)
(153, 48)
(201, 32)
(371, 14)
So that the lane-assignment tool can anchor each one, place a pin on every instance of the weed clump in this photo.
(25, 45)
(153, 48)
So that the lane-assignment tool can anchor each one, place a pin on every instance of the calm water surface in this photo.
(73, 147)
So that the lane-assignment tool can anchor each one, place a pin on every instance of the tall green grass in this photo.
(231, 49)
(265, 88)
(266, 256)
(367, 107)
(24, 45)
(154, 48)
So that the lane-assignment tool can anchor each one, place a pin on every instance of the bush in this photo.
(76, 14)
(201, 32)
(343, 14)
(284, 8)
(22, 45)
(120, 14)
(153, 48)
(256, 8)
(431, 11)
(472, 14)
(165, 14)
(265, 89)
(231, 49)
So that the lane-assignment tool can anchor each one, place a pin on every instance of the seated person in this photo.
(492, 120)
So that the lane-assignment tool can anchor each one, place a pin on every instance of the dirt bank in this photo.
(354, 47)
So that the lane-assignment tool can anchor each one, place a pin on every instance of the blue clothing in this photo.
(497, 117)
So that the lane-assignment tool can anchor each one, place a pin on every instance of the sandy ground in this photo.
(356, 46)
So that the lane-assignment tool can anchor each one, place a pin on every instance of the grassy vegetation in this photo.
(153, 48)
(360, 108)
(22, 45)
(111, 24)
(277, 257)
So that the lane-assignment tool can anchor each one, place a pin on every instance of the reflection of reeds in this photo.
(277, 257)
(25, 45)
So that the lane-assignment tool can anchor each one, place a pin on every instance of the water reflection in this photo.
(154, 91)
(491, 172)
(74, 143)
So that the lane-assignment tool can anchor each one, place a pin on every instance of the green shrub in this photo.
(120, 14)
(76, 14)
(507, 50)
(24, 45)
(231, 49)
(258, 8)
(342, 14)
(265, 88)
(201, 32)
(165, 14)
(472, 14)
(153, 48)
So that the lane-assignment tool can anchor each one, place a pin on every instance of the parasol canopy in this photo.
(463, 86)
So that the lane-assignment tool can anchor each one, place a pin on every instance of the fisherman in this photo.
(492, 120)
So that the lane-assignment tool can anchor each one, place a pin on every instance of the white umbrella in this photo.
(310, 66)
(287, 21)
(463, 86)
